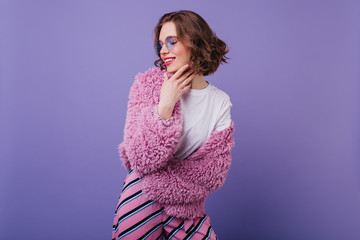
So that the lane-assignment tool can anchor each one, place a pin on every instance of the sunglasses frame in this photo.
(159, 44)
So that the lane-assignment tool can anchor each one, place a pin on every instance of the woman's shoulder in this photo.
(153, 75)
(220, 95)
(147, 85)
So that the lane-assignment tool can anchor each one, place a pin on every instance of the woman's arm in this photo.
(186, 181)
(149, 141)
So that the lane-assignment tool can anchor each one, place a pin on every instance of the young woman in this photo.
(177, 136)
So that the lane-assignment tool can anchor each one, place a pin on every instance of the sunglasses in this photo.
(169, 42)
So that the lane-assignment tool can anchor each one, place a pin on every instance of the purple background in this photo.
(293, 78)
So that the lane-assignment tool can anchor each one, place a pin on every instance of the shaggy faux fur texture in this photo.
(149, 142)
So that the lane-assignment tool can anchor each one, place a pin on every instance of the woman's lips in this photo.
(168, 63)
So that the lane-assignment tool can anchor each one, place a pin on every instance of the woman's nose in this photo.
(164, 47)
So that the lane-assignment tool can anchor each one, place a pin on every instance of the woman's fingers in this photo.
(187, 87)
(180, 72)
(185, 76)
(187, 80)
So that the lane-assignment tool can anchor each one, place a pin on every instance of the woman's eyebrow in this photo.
(169, 36)
(164, 40)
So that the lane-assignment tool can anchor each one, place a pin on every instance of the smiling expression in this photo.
(180, 52)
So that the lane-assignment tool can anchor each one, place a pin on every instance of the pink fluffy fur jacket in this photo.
(181, 186)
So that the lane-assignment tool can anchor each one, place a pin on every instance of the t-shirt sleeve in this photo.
(224, 117)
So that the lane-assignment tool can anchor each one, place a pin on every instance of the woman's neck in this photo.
(199, 82)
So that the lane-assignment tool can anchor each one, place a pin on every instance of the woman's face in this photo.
(180, 52)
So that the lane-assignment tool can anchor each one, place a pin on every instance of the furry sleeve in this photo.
(149, 141)
(192, 179)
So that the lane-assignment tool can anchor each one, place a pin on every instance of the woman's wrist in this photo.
(165, 112)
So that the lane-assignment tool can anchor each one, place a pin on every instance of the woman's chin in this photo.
(170, 70)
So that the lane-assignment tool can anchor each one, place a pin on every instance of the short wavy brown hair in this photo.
(207, 50)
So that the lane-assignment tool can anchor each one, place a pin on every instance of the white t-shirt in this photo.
(203, 111)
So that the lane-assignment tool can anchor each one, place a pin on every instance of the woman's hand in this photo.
(172, 89)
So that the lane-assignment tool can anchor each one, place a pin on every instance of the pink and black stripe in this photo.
(137, 217)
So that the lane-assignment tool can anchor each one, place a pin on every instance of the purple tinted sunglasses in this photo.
(169, 42)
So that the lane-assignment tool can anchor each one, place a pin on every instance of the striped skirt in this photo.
(137, 217)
